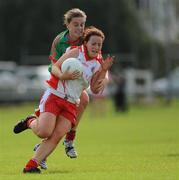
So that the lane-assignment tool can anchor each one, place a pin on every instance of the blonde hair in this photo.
(72, 13)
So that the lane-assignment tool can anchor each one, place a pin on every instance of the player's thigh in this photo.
(63, 125)
(47, 122)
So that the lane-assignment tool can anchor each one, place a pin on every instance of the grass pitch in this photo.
(139, 145)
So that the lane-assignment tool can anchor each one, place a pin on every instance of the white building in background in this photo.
(159, 19)
(139, 84)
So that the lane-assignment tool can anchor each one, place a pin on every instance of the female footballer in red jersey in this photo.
(74, 20)
(54, 123)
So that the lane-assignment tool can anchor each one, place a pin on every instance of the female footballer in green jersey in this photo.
(74, 20)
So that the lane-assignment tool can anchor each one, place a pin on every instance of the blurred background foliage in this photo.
(32, 25)
(29, 27)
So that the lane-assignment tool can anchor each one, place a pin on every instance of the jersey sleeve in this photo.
(54, 50)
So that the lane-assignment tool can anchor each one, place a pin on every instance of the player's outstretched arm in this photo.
(101, 76)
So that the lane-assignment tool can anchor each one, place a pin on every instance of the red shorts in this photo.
(58, 106)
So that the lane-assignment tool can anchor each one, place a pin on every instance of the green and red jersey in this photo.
(59, 46)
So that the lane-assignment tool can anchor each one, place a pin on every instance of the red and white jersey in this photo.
(72, 89)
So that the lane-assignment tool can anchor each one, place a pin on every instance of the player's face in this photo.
(76, 27)
(94, 46)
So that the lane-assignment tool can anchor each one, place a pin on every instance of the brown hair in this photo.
(72, 13)
(92, 31)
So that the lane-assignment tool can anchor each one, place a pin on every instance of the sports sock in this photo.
(70, 136)
(37, 112)
(32, 163)
(29, 121)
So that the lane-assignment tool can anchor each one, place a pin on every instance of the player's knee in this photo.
(44, 134)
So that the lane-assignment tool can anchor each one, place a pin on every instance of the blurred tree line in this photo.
(29, 26)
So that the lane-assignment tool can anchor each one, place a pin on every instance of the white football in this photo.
(72, 64)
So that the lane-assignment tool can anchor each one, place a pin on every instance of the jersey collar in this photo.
(86, 54)
(72, 43)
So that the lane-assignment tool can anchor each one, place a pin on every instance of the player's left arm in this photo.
(100, 78)
(53, 51)
(102, 83)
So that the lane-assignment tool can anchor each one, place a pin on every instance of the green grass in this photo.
(139, 145)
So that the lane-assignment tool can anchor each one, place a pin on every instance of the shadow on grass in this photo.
(173, 155)
(59, 172)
